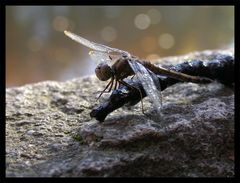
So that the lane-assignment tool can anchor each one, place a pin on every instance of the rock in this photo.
(49, 132)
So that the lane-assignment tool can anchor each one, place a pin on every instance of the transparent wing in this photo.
(149, 83)
(95, 46)
(103, 57)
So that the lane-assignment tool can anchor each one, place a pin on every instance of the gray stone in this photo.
(49, 132)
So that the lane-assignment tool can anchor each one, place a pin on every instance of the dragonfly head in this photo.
(104, 72)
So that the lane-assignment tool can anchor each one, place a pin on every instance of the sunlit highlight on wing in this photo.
(93, 45)
(148, 84)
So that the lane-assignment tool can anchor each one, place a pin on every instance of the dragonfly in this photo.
(116, 65)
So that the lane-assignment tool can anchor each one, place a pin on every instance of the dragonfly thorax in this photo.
(104, 72)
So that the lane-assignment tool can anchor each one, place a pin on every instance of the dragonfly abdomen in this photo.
(176, 75)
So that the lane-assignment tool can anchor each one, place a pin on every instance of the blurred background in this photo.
(38, 50)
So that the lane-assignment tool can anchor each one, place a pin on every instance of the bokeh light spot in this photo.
(142, 21)
(60, 23)
(154, 15)
(109, 34)
(166, 41)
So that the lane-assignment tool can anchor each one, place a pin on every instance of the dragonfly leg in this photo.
(115, 87)
(132, 87)
(109, 84)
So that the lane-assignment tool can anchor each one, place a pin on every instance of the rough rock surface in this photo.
(49, 131)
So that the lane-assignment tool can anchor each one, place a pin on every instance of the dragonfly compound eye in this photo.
(103, 72)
